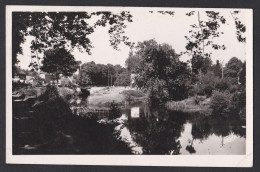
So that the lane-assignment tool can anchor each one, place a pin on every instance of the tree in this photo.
(123, 79)
(217, 69)
(58, 29)
(242, 74)
(220, 103)
(132, 62)
(161, 73)
(84, 79)
(19, 28)
(99, 74)
(232, 69)
(203, 32)
(200, 64)
(59, 61)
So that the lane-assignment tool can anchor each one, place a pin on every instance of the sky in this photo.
(163, 28)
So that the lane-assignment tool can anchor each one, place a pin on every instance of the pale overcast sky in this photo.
(163, 28)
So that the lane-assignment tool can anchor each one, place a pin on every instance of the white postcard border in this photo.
(139, 160)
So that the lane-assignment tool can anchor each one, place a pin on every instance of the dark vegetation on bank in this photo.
(54, 129)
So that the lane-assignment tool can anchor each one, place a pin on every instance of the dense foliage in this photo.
(232, 69)
(59, 29)
(160, 72)
(59, 61)
(220, 103)
(114, 111)
(103, 75)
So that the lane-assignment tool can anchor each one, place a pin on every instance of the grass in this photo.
(191, 104)
(133, 93)
(100, 96)
(64, 91)
(34, 91)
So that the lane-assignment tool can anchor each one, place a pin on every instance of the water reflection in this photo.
(159, 131)
(135, 112)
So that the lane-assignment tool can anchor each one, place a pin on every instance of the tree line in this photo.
(103, 75)
(161, 74)
(158, 69)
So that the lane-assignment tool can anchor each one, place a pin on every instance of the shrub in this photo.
(192, 92)
(233, 89)
(238, 101)
(198, 99)
(114, 111)
(220, 103)
(18, 85)
(50, 93)
(197, 90)
(222, 85)
(208, 90)
(242, 113)
(67, 97)
(53, 114)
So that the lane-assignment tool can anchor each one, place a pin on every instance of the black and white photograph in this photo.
(141, 82)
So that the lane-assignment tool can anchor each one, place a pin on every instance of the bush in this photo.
(238, 101)
(67, 97)
(198, 99)
(50, 93)
(53, 114)
(192, 92)
(197, 89)
(220, 103)
(208, 90)
(233, 89)
(222, 85)
(114, 111)
(242, 113)
(18, 85)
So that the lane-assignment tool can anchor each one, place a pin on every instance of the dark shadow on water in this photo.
(50, 127)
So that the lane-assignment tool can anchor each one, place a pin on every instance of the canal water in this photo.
(139, 129)
(160, 131)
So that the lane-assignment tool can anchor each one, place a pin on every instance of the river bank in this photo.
(50, 127)
(102, 97)
(192, 104)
